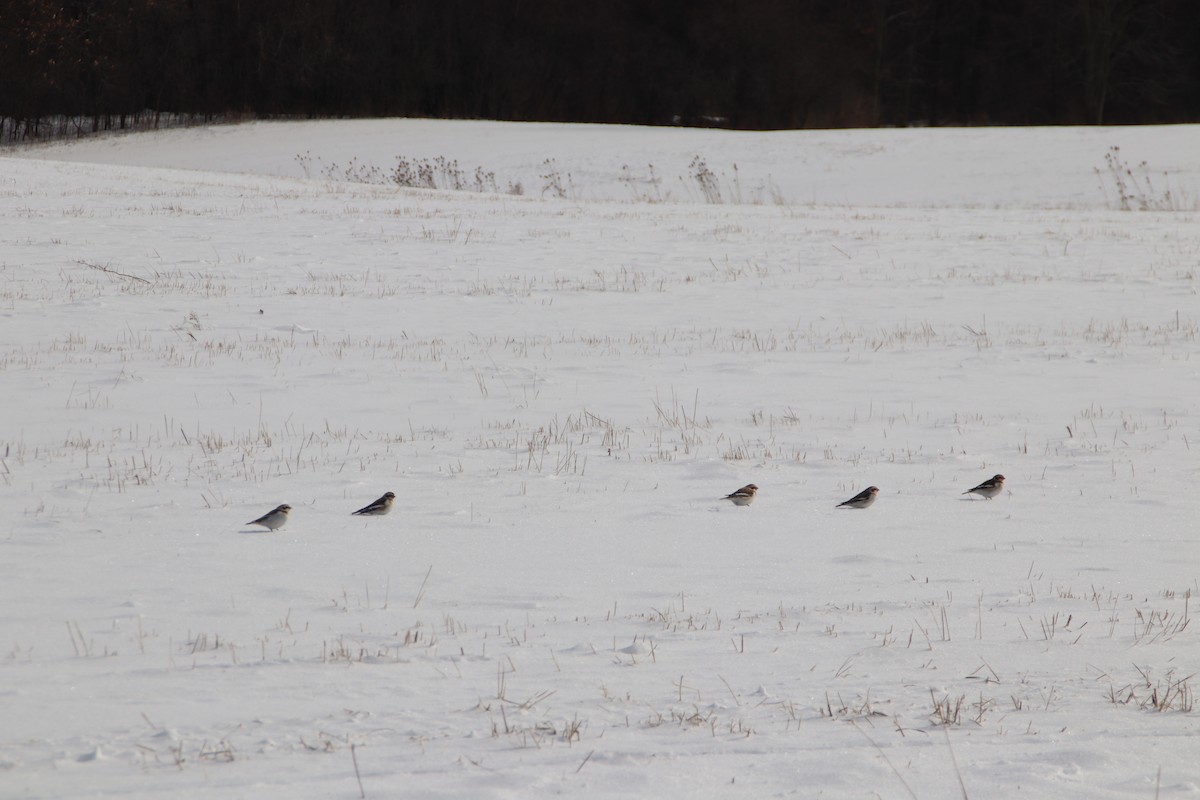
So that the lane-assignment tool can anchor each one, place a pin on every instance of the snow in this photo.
(559, 386)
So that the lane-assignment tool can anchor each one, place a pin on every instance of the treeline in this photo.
(729, 63)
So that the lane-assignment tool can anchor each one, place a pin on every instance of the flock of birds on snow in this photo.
(277, 517)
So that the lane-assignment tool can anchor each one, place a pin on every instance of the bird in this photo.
(377, 509)
(743, 496)
(861, 500)
(989, 488)
(275, 519)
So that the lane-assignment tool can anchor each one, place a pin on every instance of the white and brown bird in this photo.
(275, 519)
(861, 500)
(377, 509)
(989, 488)
(743, 496)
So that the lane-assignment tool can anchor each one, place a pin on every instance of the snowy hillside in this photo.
(560, 370)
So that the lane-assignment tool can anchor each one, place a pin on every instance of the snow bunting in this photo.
(989, 488)
(275, 519)
(380, 507)
(743, 496)
(862, 499)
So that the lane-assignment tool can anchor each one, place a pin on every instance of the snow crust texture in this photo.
(560, 370)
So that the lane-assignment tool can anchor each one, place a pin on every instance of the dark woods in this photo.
(728, 63)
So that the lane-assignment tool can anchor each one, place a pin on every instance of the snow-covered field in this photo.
(560, 385)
